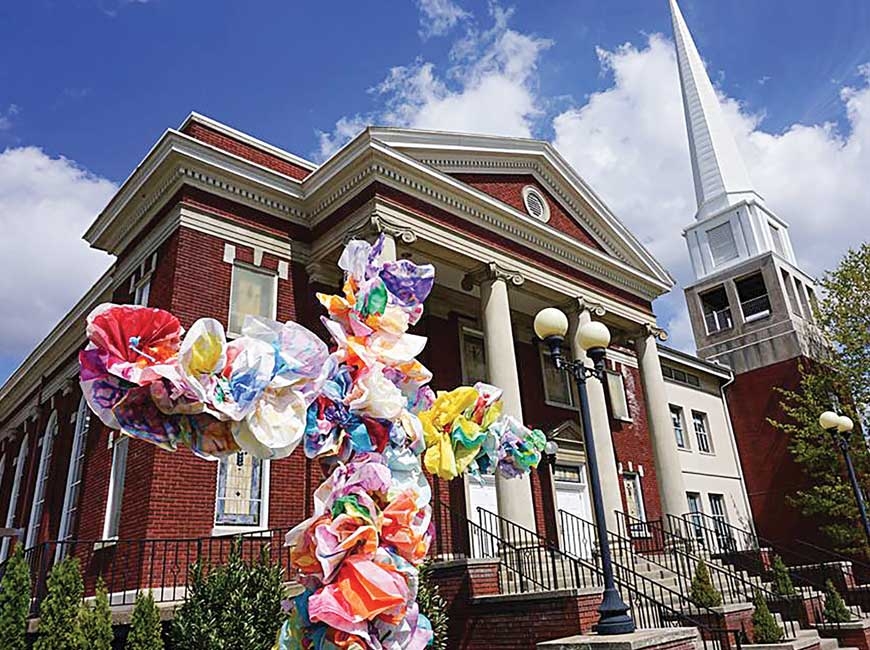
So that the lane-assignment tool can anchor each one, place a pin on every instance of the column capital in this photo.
(324, 273)
(376, 224)
(491, 271)
(580, 304)
(651, 329)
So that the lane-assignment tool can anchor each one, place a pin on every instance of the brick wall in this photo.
(480, 618)
(632, 442)
(770, 473)
(249, 152)
(508, 188)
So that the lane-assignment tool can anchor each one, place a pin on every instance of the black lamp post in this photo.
(551, 325)
(840, 427)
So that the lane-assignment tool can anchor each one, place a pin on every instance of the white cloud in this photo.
(6, 116)
(437, 17)
(45, 206)
(490, 88)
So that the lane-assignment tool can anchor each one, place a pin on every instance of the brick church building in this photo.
(216, 223)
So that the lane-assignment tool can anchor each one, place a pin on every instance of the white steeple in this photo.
(720, 175)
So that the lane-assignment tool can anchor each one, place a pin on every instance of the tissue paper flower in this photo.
(364, 411)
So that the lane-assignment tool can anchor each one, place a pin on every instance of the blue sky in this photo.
(86, 86)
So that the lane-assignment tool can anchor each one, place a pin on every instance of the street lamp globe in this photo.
(594, 335)
(829, 420)
(845, 424)
(551, 448)
(551, 323)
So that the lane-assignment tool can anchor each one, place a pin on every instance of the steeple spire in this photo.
(720, 175)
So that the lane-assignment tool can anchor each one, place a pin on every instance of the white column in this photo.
(611, 487)
(667, 457)
(514, 495)
(388, 254)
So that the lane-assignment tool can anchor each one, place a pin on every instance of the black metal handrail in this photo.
(652, 605)
(520, 570)
(810, 576)
(159, 565)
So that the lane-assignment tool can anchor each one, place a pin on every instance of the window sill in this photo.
(684, 449)
(707, 453)
(756, 317)
(558, 405)
(247, 531)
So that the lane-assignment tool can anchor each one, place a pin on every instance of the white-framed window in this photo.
(117, 477)
(723, 247)
(679, 427)
(675, 374)
(254, 292)
(536, 204)
(702, 433)
(20, 461)
(473, 356)
(696, 511)
(618, 398)
(140, 281)
(46, 447)
(558, 387)
(68, 516)
(242, 500)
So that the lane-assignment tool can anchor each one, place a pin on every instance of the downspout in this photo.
(736, 452)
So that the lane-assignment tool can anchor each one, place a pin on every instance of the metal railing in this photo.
(159, 565)
(718, 320)
(652, 605)
(676, 554)
(810, 575)
(755, 308)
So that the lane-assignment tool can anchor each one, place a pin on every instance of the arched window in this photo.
(68, 516)
(20, 460)
(46, 445)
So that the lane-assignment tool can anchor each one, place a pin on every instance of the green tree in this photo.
(433, 606)
(764, 625)
(96, 621)
(782, 584)
(835, 609)
(15, 601)
(59, 613)
(840, 381)
(703, 592)
(145, 627)
(232, 607)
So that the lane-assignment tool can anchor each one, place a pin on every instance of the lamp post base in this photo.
(614, 618)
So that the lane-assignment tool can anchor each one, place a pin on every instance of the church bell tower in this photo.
(751, 306)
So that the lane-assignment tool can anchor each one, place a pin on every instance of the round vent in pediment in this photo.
(536, 204)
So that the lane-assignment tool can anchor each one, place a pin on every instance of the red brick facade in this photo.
(769, 471)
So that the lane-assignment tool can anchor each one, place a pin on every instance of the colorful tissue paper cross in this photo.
(363, 410)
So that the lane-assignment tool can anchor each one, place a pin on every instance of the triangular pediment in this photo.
(569, 432)
(502, 167)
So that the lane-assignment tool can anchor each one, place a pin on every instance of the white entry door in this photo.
(572, 497)
(481, 494)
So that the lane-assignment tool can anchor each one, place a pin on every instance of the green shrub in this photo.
(764, 625)
(782, 584)
(145, 626)
(835, 609)
(433, 606)
(15, 601)
(96, 622)
(237, 605)
(703, 592)
(59, 613)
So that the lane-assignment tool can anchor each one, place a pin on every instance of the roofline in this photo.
(459, 140)
(672, 354)
(226, 129)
